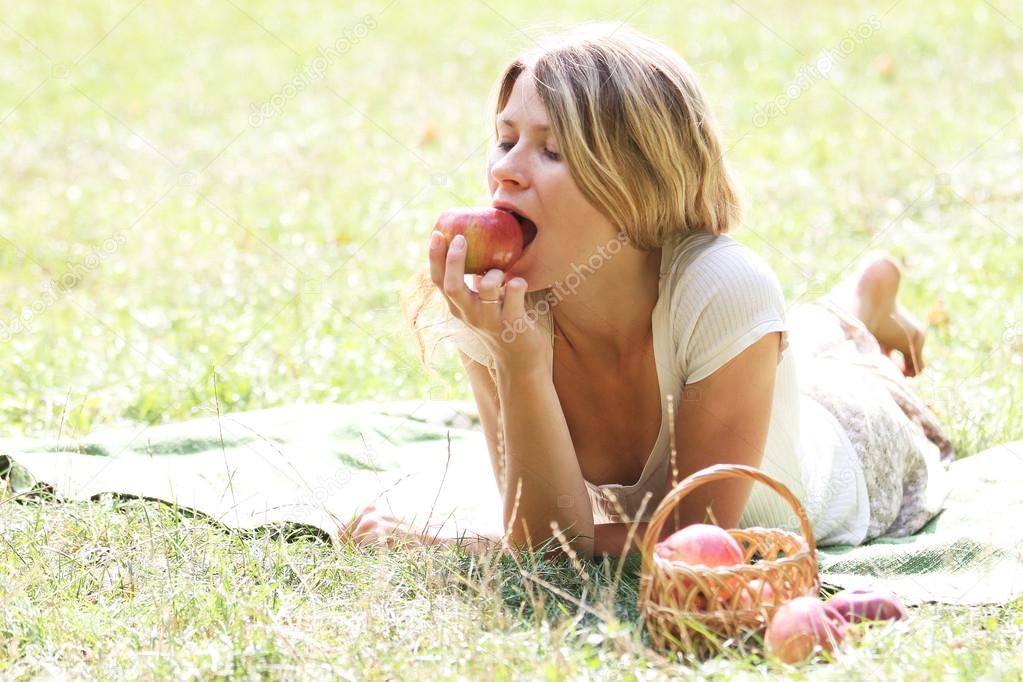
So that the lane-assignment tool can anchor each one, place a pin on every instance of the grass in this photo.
(181, 238)
(132, 590)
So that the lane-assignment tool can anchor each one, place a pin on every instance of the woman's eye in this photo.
(552, 155)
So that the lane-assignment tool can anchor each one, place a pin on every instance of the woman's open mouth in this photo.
(528, 229)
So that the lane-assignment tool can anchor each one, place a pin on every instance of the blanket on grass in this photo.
(302, 469)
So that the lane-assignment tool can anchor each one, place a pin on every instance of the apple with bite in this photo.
(801, 625)
(857, 605)
(494, 238)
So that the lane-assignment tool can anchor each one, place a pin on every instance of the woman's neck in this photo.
(604, 320)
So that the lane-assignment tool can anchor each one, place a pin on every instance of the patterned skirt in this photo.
(905, 453)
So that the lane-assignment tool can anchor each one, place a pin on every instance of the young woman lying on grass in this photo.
(633, 290)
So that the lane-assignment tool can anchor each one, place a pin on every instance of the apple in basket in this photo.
(700, 544)
(495, 238)
(858, 605)
(801, 626)
(749, 596)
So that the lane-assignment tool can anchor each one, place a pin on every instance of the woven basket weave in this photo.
(698, 608)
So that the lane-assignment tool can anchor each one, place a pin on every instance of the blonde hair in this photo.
(634, 127)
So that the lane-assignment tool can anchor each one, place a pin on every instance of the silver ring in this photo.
(487, 300)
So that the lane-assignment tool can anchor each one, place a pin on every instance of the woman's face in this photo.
(525, 169)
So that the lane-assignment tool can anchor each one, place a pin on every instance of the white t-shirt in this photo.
(716, 297)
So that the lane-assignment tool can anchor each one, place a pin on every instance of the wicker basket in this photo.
(700, 609)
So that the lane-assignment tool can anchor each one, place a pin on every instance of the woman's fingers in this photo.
(447, 269)
(490, 286)
(454, 272)
(438, 252)
(381, 529)
(514, 299)
(496, 304)
(367, 531)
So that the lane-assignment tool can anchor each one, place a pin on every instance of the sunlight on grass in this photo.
(154, 230)
(132, 589)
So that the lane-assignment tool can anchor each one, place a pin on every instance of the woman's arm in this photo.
(532, 454)
(610, 538)
(723, 418)
(473, 543)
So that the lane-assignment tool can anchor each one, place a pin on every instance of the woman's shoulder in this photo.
(702, 258)
(721, 296)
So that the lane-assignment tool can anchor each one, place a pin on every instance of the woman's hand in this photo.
(514, 340)
(370, 527)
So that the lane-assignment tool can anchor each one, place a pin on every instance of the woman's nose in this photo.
(509, 167)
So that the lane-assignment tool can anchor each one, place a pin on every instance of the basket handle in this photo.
(714, 473)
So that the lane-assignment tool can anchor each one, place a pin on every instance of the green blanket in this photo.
(301, 469)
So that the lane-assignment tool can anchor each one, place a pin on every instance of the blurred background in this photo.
(190, 188)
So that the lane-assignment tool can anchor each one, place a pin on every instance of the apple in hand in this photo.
(857, 605)
(494, 238)
(801, 625)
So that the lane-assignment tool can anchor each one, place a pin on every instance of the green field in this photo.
(190, 188)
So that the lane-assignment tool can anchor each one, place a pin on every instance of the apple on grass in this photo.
(858, 605)
(495, 238)
(801, 626)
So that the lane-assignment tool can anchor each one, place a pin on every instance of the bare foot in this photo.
(871, 295)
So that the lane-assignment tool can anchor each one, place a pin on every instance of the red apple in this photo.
(748, 598)
(701, 544)
(494, 237)
(861, 604)
(801, 625)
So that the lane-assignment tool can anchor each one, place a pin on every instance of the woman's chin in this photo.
(519, 268)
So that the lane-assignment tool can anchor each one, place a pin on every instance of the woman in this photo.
(631, 291)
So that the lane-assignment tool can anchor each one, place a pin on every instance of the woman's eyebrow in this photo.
(511, 124)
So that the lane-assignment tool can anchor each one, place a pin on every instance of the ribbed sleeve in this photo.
(724, 301)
